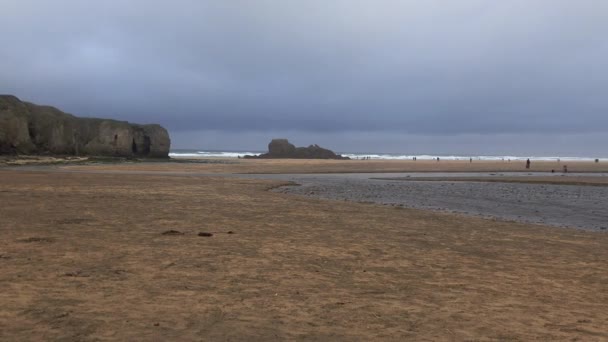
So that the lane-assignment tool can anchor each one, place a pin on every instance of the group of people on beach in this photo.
(564, 168)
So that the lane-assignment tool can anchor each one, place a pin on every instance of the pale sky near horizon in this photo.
(518, 77)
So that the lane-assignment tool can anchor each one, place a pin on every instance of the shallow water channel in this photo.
(576, 206)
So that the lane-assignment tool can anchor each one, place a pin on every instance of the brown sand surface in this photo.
(350, 166)
(83, 257)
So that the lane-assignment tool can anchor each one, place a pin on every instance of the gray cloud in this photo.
(255, 68)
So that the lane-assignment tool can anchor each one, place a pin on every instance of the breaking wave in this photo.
(378, 156)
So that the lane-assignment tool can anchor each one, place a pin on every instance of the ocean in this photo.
(183, 153)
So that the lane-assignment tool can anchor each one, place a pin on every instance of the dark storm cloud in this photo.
(424, 67)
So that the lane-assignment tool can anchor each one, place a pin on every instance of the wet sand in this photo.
(295, 166)
(550, 203)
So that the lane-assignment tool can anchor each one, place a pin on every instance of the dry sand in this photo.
(83, 257)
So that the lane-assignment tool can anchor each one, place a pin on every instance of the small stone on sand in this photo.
(172, 232)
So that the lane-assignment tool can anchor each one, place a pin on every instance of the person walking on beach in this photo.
(528, 163)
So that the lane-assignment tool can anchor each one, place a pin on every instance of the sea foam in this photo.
(383, 156)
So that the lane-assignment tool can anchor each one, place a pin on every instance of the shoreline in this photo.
(307, 166)
(322, 165)
(397, 156)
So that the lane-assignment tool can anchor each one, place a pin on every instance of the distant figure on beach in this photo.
(597, 160)
(528, 163)
(558, 160)
(470, 160)
(565, 168)
(437, 158)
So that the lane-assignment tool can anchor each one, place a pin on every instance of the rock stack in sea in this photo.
(282, 148)
(27, 128)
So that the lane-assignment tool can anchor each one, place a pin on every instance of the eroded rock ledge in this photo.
(27, 128)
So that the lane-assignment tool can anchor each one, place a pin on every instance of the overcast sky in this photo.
(470, 76)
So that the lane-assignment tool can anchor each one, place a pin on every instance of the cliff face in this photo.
(14, 134)
(282, 148)
(26, 128)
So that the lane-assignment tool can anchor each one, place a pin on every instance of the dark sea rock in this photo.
(282, 148)
(27, 128)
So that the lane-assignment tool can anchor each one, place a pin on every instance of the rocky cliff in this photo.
(282, 148)
(26, 128)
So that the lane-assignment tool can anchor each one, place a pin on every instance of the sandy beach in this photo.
(91, 256)
(303, 171)
(290, 166)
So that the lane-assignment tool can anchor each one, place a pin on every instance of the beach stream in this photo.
(575, 206)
